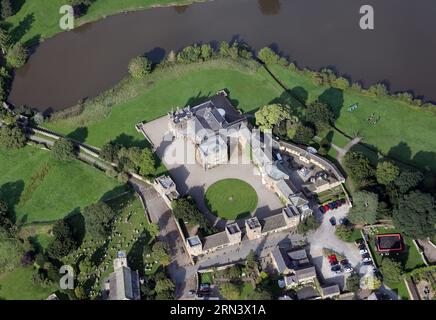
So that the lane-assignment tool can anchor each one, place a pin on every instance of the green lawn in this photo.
(67, 187)
(231, 199)
(206, 277)
(40, 18)
(17, 285)
(404, 131)
(187, 84)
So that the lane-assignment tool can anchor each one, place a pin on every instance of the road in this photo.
(180, 268)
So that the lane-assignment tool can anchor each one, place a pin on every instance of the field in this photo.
(404, 132)
(66, 187)
(17, 285)
(185, 84)
(231, 199)
(39, 19)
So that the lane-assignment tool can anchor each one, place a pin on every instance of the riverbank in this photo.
(403, 131)
(113, 114)
(38, 20)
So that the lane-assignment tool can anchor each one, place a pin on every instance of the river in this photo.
(314, 33)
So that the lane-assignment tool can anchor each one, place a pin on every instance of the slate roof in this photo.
(279, 261)
(215, 240)
(273, 222)
(330, 290)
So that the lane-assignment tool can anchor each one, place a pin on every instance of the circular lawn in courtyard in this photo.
(231, 199)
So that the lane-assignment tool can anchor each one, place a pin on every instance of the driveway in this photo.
(179, 268)
(192, 179)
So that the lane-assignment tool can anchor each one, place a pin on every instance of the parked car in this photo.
(321, 208)
(363, 251)
(338, 203)
(366, 258)
(332, 259)
(326, 208)
(348, 268)
(332, 221)
(336, 268)
(368, 262)
(344, 221)
(344, 262)
(343, 201)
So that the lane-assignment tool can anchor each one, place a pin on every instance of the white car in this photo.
(348, 269)
(363, 251)
(366, 259)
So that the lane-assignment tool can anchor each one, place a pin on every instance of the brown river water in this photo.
(314, 33)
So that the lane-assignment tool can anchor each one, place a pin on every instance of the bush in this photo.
(308, 224)
(12, 137)
(344, 233)
(303, 134)
(190, 54)
(16, 56)
(268, 56)
(139, 67)
(63, 150)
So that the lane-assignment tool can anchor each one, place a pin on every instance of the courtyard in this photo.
(192, 179)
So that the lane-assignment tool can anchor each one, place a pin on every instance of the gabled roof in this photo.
(279, 261)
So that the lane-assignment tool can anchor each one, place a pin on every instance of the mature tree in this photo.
(415, 215)
(153, 229)
(386, 172)
(364, 210)
(98, 219)
(80, 6)
(16, 55)
(160, 253)
(408, 180)
(6, 9)
(63, 242)
(344, 233)
(63, 150)
(358, 165)
(308, 224)
(268, 56)
(186, 210)
(271, 115)
(252, 267)
(189, 54)
(206, 51)
(164, 287)
(320, 114)
(11, 251)
(4, 39)
(391, 270)
(109, 151)
(230, 291)
(139, 67)
(353, 282)
(233, 272)
(147, 164)
(303, 134)
(12, 137)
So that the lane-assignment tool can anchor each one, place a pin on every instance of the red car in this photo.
(332, 259)
(326, 208)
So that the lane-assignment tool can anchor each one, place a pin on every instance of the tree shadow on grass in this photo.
(129, 141)
(22, 28)
(11, 193)
(80, 134)
(335, 99)
(113, 193)
(135, 255)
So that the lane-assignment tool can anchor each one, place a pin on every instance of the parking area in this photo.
(194, 180)
(324, 237)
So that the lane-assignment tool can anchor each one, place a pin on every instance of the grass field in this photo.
(231, 199)
(66, 188)
(248, 90)
(39, 19)
(17, 285)
(404, 132)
